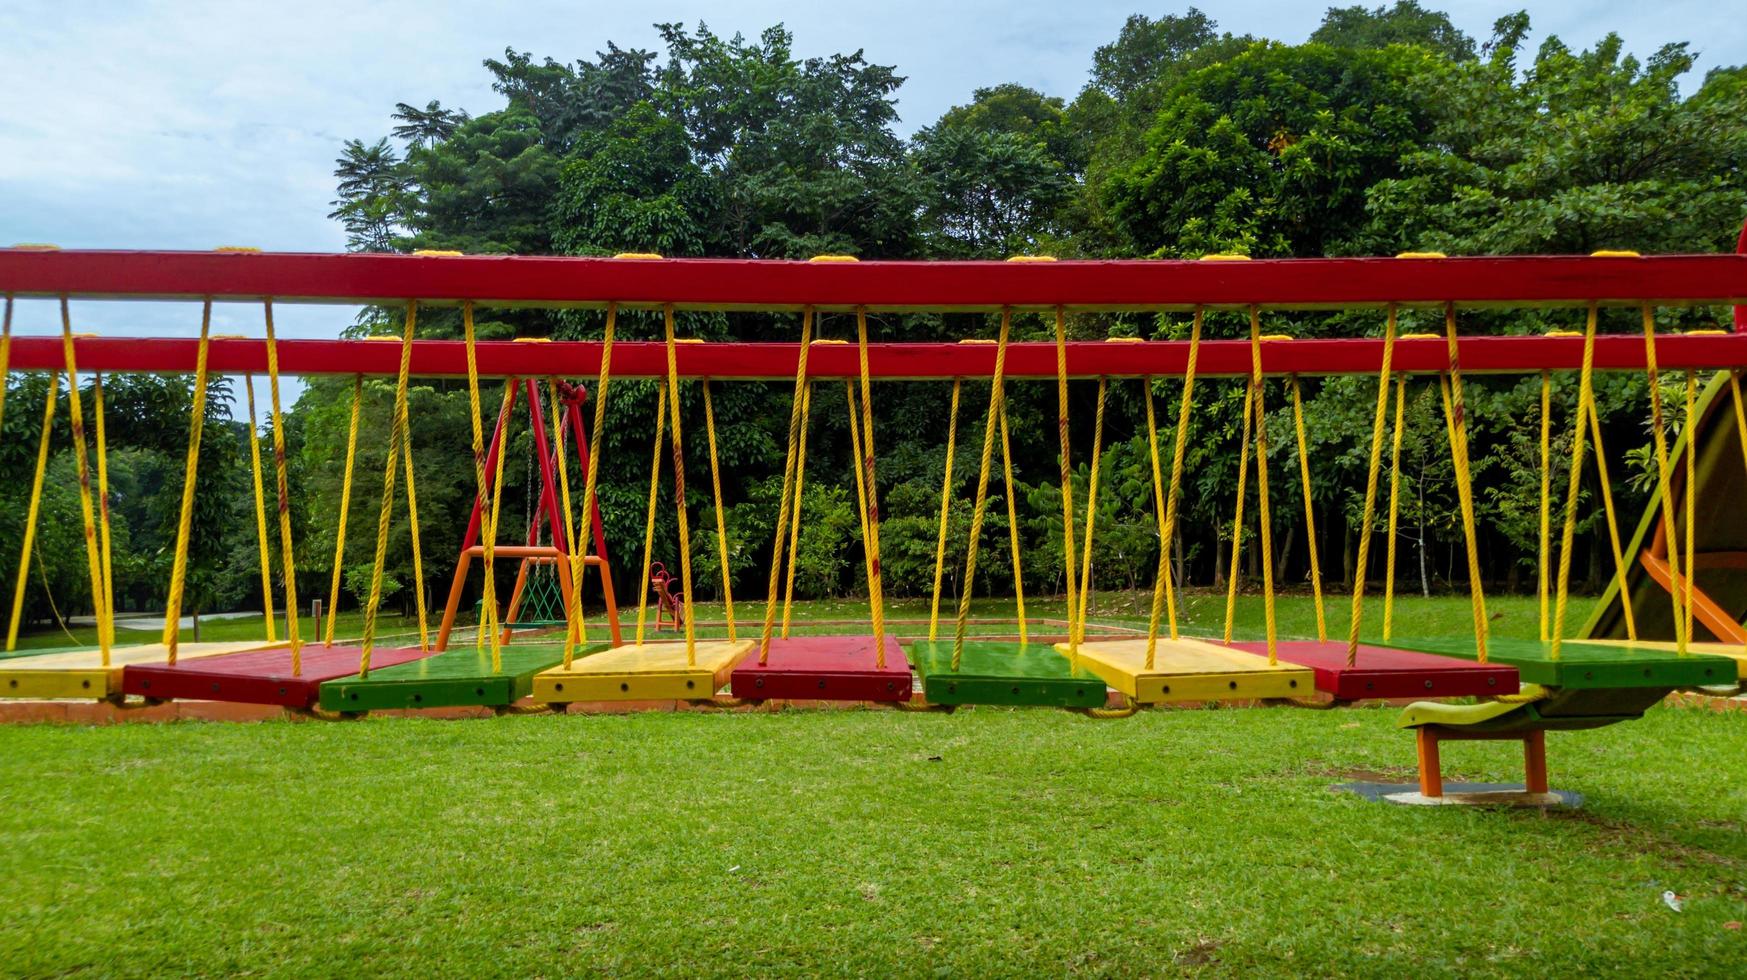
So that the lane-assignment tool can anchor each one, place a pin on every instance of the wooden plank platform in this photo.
(81, 674)
(454, 678)
(991, 672)
(1384, 672)
(1191, 670)
(1730, 650)
(256, 676)
(1584, 665)
(645, 671)
(828, 668)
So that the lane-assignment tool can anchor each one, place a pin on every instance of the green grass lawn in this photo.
(989, 841)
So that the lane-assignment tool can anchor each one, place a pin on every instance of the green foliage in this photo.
(1405, 23)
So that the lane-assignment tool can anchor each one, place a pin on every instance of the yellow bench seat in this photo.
(81, 673)
(643, 671)
(1191, 670)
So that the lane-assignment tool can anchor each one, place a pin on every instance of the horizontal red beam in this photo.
(785, 285)
(648, 359)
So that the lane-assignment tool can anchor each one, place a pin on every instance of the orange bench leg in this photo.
(1431, 775)
(1535, 761)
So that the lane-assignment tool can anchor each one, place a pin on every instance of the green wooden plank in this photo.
(1583, 666)
(1004, 673)
(457, 677)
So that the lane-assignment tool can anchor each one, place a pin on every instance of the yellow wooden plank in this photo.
(81, 674)
(1191, 670)
(645, 671)
(1730, 650)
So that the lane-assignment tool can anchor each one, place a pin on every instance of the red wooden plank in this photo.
(256, 676)
(1383, 672)
(824, 668)
(765, 284)
(1086, 359)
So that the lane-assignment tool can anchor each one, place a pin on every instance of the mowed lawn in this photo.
(989, 841)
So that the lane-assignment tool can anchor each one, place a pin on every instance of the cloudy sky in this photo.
(200, 123)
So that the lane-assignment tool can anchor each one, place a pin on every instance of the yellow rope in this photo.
(685, 537)
(75, 416)
(1264, 517)
(795, 517)
(1159, 507)
(1175, 492)
(261, 513)
(1613, 526)
(1078, 623)
(288, 561)
(945, 508)
(185, 520)
(855, 450)
(487, 509)
(791, 460)
(385, 515)
(871, 510)
(1546, 552)
(1012, 527)
(1310, 510)
(1167, 535)
(721, 518)
(103, 505)
(1362, 566)
(490, 547)
(575, 628)
(1664, 486)
(346, 498)
(1237, 520)
(1456, 425)
(1690, 430)
(31, 512)
(1740, 412)
(1067, 473)
(997, 391)
(1394, 509)
(1573, 483)
(649, 517)
(412, 520)
(591, 479)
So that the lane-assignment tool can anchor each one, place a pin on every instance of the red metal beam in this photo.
(782, 285)
(646, 359)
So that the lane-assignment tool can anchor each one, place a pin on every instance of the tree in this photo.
(1405, 23)
(428, 126)
(1146, 50)
(634, 188)
(988, 194)
(372, 189)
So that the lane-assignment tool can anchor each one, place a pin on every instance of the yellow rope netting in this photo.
(1394, 508)
(1162, 588)
(590, 480)
(685, 538)
(1310, 508)
(75, 416)
(797, 409)
(945, 508)
(997, 393)
(385, 514)
(261, 512)
(871, 505)
(1361, 566)
(1265, 518)
(42, 462)
(345, 506)
(184, 522)
(721, 517)
(1456, 428)
(1574, 483)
